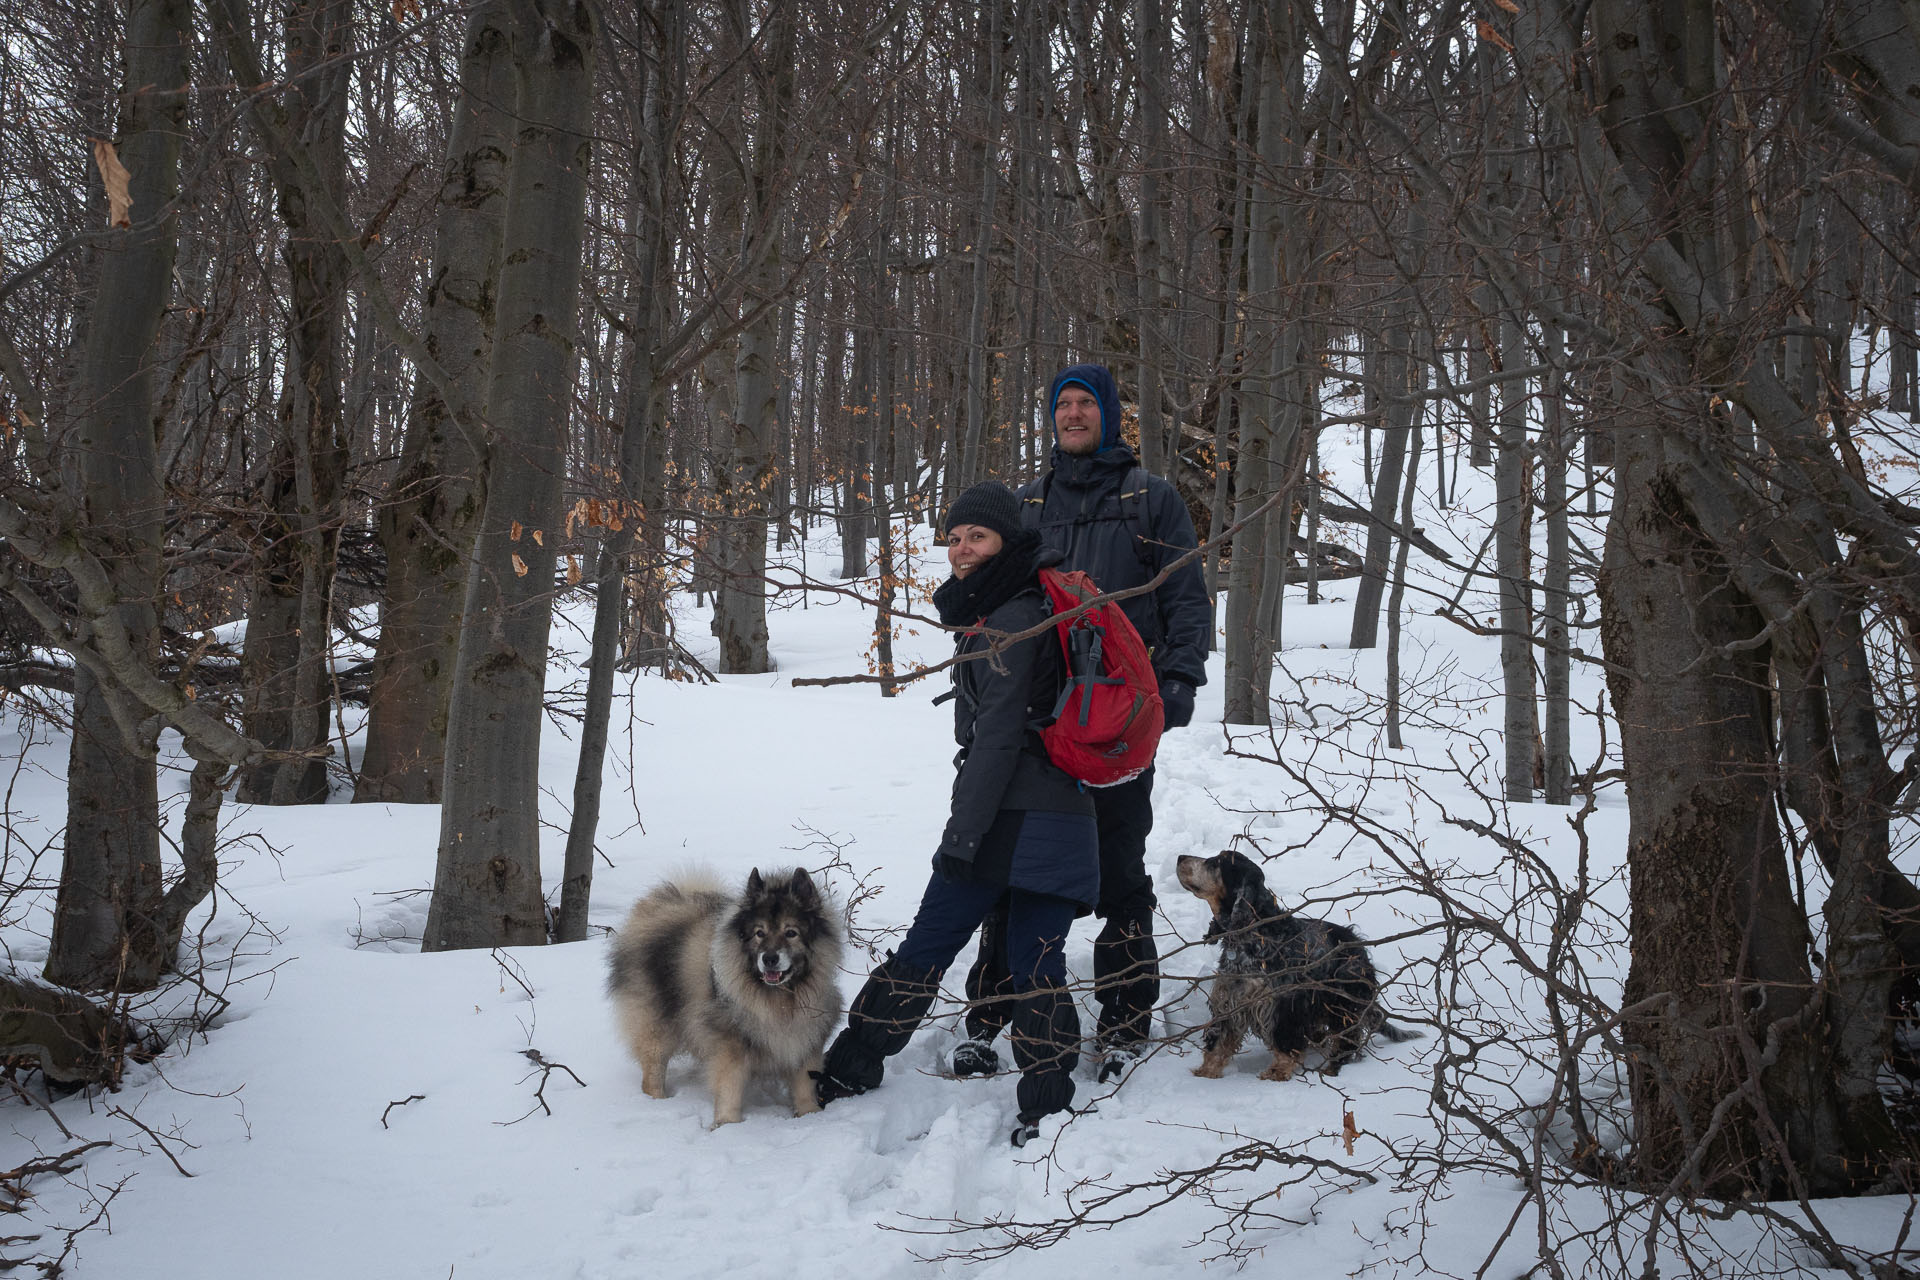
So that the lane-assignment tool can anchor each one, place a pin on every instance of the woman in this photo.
(1017, 826)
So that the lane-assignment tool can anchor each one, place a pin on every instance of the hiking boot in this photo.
(884, 1015)
(828, 1088)
(1024, 1132)
(1117, 1058)
(975, 1058)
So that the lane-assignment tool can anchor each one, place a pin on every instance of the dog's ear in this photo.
(1245, 915)
(1246, 883)
(802, 887)
(755, 885)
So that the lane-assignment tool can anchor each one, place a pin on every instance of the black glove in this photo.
(1177, 697)
(952, 868)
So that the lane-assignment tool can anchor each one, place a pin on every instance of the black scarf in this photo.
(961, 602)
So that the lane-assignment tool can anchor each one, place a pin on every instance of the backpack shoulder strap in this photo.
(1133, 494)
(1034, 507)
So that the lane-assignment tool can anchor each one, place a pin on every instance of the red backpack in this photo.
(1108, 720)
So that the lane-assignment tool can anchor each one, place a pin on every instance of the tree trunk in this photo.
(1485, 305)
(1313, 520)
(1398, 596)
(880, 419)
(638, 488)
(1257, 471)
(1513, 506)
(288, 644)
(986, 158)
(427, 524)
(856, 507)
(1268, 425)
(1397, 408)
(1721, 555)
(486, 889)
(1716, 933)
(110, 878)
(609, 607)
(1232, 348)
(1902, 347)
(1151, 249)
(742, 625)
(1556, 596)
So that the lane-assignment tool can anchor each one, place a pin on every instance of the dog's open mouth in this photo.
(773, 977)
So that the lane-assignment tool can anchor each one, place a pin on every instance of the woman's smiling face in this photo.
(969, 546)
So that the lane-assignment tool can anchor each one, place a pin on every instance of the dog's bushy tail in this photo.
(1399, 1035)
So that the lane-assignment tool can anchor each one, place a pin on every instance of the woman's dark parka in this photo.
(1016, 818)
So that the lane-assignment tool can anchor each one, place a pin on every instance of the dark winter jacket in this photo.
(1122, 526)
(1016, 818)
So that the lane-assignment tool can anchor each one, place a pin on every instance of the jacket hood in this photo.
(1098, 379)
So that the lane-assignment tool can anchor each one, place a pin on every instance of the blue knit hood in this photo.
(1098, 379)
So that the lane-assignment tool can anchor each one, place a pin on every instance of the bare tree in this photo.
(428, 519)
(487, 880)
(289, 637)
(741, 621)
(114, 923)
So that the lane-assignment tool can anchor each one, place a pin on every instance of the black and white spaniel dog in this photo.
(1297, 983)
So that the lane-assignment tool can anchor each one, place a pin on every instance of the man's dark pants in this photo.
(1126, 969)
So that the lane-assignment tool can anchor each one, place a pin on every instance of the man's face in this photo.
(1076, 420)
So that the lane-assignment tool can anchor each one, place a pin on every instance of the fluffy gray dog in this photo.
(747, 983)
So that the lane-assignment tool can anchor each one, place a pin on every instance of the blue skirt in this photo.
(1040, 851)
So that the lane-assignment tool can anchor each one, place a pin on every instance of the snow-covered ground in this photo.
(362, 1110)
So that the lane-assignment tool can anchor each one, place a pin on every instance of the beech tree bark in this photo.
(106, 934)
(1556, 594)
(1261, 462)
(988, 76)
(486, 888)
(1397, 597)
(1716, 933)
(1512, 469)
(1397, 411)
(741, 625)
(428, 521)
(1724, 597)
(638, 484)
(289, 632)
(1158, 446)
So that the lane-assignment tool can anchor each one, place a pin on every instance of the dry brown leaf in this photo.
(519, 567)
(513, 534)
(1348, 1131)
(1508, 5)
(573, 571)
(538, 541)
(114, 176)
(404, 11)
(1491, 36)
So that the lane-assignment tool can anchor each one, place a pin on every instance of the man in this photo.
(1122, 526)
